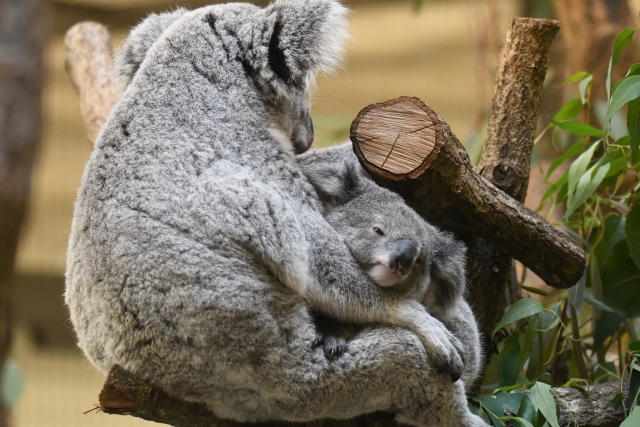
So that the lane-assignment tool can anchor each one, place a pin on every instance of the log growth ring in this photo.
(397, 139)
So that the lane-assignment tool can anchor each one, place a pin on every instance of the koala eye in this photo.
(378, 231)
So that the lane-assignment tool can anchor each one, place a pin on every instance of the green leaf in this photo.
(562, 182)
(526, 307)
(605, 326)
(634, 381)
(633, 420)
(621, 282)
(527, 410)
(522, 421)
(578, 168)
(535, 290)
(586, 187)
(542, 398)
(508, 361)
(632, 231)
(633, 124)
(493, 408)
(584, 88)
(589, 298)
(510, 401)
(568, 111)
(614, 226)
(622, 40)
(634, 346)
(571, 151)
(628, 90)
(633, 71)
(579, 76)
(580, 129)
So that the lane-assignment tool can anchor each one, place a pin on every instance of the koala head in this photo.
(273, 53)
(396, 247)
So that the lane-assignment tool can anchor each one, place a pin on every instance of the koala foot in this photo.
(334, 347)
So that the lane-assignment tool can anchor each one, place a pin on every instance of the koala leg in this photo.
(385, 369)
(308, 256)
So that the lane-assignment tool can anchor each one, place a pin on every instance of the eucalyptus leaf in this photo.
(535, 290)
(634, 381)
(578, 168)
(586, 187)
(571, 151)
(633, 123)
(622, 40)
(562, 182)
(633, 420)
(493, 407)
(584, 87)
(580, 129)
(569, 110)
(527, 410)
(522, 421)
(632, 232)
(579, 76)
(633, 71)
(613, 232)
(526, 307)
(508, 361)
(542, 398)
(510, 401)
(621, 281)
(634, 346)
(605, 326)
(628, 90)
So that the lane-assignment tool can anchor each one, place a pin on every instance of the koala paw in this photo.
(447, 352)
(332, 347)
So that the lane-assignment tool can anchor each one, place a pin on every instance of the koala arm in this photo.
(307, 255)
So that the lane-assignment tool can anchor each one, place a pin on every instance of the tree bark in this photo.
(425, 163)
(89, 61)
(22, 37)
(506, 160)
(124, 394)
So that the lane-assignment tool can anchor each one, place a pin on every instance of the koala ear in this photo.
(142, 37)
(307, 38)
(448, 278)
(335, 183)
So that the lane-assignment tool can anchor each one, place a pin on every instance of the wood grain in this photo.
(397, 136)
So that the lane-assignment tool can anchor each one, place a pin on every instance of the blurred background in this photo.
(444, 53)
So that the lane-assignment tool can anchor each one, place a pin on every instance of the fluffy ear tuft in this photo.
(335, 183)
(142, 37)
(448, 277)
(307, 39)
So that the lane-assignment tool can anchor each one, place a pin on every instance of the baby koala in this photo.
(396, 248)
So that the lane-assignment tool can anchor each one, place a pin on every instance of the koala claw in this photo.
(317, 343)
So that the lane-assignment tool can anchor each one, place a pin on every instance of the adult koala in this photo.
(395, 247)
(197, 245)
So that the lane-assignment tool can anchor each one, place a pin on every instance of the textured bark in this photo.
(450, 193)
(22, 32)
(89, 62)
(506, 160)
(124, 394)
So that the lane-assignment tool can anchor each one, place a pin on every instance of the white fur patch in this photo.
(383, 276)
(283, 140)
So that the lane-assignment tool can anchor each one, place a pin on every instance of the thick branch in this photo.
(124, 394)
(449, 192)
(89, 64)
(506, 158)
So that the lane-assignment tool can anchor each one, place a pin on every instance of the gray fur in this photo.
(197, 246)
(354, 204)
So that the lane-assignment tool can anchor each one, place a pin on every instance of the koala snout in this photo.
(403, 257)
(302, 136)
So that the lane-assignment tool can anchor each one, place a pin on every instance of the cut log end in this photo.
(397, 139)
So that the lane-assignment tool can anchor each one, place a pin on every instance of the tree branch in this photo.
(408, 147)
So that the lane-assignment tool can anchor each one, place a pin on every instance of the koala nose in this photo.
(303, 135)
(403, 257)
